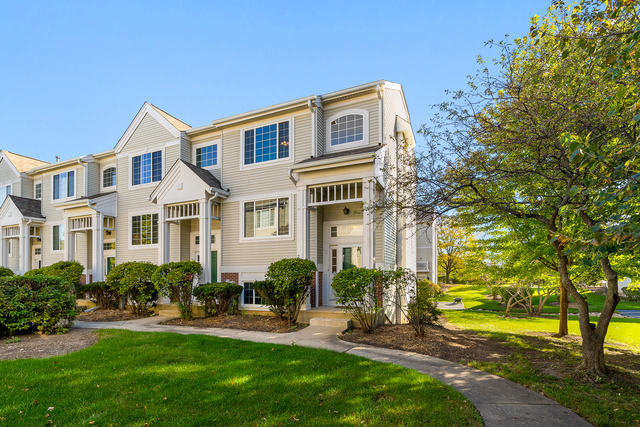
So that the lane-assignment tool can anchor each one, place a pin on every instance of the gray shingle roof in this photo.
(338, 154)
(204, 175)
(30, 208)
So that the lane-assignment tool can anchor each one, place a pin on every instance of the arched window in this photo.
(108, 177)
(348, 129)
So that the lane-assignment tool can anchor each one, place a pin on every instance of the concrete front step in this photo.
(330, 322)
(169, 313)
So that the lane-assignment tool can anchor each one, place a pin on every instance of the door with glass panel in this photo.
(341, 257)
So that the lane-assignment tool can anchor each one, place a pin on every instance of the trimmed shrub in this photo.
(217, 297)
(291, 281)
(133, 279)
(632, 292)
(175, 280)
(41, 301)
(102, 294)
(71, 271)
(415, 298)
(422, 308)
(271, 297)
(355, 289)
(5, 272)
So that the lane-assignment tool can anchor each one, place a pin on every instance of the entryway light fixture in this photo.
(345, 210)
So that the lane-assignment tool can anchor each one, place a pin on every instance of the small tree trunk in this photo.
(563, 327)
(593, 353)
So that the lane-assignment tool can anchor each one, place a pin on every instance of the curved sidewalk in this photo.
(501, 403)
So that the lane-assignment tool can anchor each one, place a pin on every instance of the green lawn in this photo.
(547, 364)
(164, 379)
(474, 297)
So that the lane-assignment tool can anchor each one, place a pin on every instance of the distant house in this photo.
(236, 194)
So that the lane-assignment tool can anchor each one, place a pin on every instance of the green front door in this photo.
(214, 266)
(111, 262)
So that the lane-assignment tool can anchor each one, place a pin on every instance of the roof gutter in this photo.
(359, 158)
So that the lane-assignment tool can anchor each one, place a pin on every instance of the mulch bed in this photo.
(444, 342)
(110, 316)
(36, 345)
(247, 323)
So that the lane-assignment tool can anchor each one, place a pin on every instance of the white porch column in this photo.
(205, 240)
(97, 260)
(25, 249)
(4, 262)
(164, 236)
(69, 242)
(368, 226)
(303, 236)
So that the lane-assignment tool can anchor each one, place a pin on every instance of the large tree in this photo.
(454, 244)
(503, 148)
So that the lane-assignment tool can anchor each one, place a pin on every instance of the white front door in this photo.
(342, 257)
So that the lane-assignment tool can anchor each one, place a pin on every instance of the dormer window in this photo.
(348, 129)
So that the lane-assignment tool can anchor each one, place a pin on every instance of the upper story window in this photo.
(38, 190)
(109, 177)
(207, 156)
(64, 185)
(147, 168)
(266, 143)
(4, 192)
(348, 129)
(264, 218)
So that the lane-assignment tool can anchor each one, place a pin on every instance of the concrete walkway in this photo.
(501, 403)
(634, 314)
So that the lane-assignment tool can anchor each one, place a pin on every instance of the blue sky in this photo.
(74, 74)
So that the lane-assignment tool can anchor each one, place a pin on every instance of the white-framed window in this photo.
(146, 168)
(37, 251)
(10, 247)
(109, 177)
(144, 229)
(64, 185)
(347, 129)
(37, 191)
(267, 218)
(5, 191)
(197, 240)
(267, 143)
(249, 295)
(109, 246)
(58, 237)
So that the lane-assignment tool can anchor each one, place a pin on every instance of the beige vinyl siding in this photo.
(150, 136)
(335, 213)
(268, 176)
(185, 240)
(14, 259)
(185, 149)
(379, 237)
(83, 255)
(26, 188)
(149, 131)
(93, 186)
(259, 252)
(320, 132)
(370, 104)
(174, 242)
(54, 217)
(6, 173)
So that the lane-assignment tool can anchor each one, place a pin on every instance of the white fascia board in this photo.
(405, 127)
(360, 88)
(65, 163)
(254, 113)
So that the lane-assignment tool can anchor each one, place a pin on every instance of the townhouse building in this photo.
(302, 178)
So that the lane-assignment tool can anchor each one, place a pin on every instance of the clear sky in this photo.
(74, 74)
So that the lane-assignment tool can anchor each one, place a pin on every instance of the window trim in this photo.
(349, 145)
(130, 173)
(57, 224)
(243, 304)
(130, 216)
(217, 142)
(269, 162)
(292, 224)
(75, 185)
(111, 165)
(35, 184)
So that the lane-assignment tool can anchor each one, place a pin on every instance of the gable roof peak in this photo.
(22, 163)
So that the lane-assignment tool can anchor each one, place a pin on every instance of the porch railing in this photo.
(183, 211)
(333, 193)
